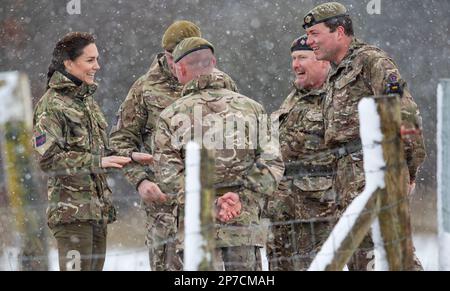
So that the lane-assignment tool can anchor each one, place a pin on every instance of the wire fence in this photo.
(292, 239)
(290, 243)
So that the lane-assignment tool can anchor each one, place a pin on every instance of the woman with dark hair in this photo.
(72, 148)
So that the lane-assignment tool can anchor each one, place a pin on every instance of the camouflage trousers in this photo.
(295, 239)
(364, 258)
(81, 246)
(349, 180)
(294, 246)
(348, 183)
(161, 238)
(242, 258)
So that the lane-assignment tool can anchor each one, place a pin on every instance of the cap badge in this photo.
(308, 19)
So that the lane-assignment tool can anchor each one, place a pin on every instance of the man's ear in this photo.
(340, 31)
(214, 61)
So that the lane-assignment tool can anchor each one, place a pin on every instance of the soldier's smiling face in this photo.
(85, 66)
(309, 72)
(323, 42)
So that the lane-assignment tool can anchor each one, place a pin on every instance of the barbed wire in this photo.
(291, 222)
(253, 227)
(271, 259)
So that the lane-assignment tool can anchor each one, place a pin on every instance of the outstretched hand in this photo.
(142, 158)
(228, 207)
(115, 162)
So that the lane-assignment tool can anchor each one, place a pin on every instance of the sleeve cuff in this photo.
(96, 163)
(139, 183)
(136, 180)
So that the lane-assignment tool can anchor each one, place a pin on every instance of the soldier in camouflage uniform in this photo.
(358, 70)
(305, 193)
(148, 97)
(72, 148)
(210, 98)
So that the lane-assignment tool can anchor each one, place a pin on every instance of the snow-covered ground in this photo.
(126, 260)
(116, 260)
(427, 251)
(137, 259)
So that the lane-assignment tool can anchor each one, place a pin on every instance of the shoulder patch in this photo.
(41, 140)
(393, 78)
(393, 85)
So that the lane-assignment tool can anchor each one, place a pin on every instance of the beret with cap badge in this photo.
(300, 44)
(324, 12)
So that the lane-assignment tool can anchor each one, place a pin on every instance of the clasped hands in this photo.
(228, 206)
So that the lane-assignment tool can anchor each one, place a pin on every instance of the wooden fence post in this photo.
(357, 219)
(394, 217)
(207, 215)
(385, 196)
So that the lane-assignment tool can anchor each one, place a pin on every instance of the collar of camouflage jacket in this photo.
(60, 82)
(294, 97)
(164, 66)
(352, 52)
(159, 72)
(298, 90)
(211, 81)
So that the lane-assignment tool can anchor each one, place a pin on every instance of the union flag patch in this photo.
(40, 140)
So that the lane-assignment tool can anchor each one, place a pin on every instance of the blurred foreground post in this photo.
(383, 205)
(395, 217)
(199, 252)
(443, 172)
(357, 219)
(21, 185)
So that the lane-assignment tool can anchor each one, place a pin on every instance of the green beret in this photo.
(300, 44)
(190, 45)
(324, 12)
(178, 31)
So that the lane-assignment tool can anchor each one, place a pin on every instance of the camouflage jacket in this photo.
(309, 164)
(209, 101)
(137, 116)
(302, 129)
(367, 71)
(70, 139)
